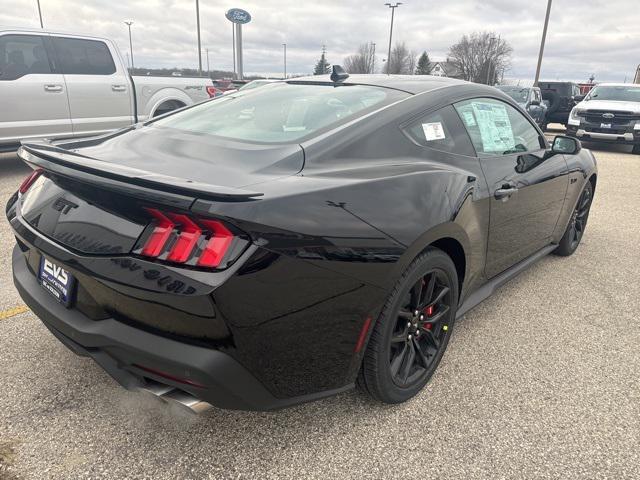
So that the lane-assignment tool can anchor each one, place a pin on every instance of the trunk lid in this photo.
(94, 194)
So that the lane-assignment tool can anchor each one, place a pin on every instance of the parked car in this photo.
(278, 246)
(56, 85)
(530, 99)
(561, 97)
(610, 113)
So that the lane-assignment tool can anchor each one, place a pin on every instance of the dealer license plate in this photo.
(56, 280)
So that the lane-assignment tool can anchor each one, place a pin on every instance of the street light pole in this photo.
(285, 60)
(128, 24)
(199, 47)
(544, 38)
(40, 14)
(393, 9)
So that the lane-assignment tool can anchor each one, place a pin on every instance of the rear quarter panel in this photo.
(151, 92)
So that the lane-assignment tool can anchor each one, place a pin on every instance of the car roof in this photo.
(409, 83)
(40, 31)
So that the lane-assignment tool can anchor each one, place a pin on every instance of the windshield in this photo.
(519, 94)
(281, 112)
(619, 94)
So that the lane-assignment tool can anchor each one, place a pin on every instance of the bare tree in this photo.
(402, 61)
(361, 62)
(481, 57)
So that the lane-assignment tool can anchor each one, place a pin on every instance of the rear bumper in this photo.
(208, 374)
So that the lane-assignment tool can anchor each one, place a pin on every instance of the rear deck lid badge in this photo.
(63, 205)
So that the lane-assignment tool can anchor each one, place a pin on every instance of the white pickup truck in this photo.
(55, 85)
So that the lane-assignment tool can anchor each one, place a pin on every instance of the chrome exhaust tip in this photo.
(175, 396)
(186, 400)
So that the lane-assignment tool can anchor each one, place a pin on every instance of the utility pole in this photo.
(490, 59)
(393, 9)
(199, 47)
(373, 61)
(284, 45)
(544, 38)
(40, 14)
(128, 24)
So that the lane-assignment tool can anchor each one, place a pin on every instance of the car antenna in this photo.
(338, 74)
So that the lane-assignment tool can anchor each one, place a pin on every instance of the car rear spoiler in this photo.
(126, 179)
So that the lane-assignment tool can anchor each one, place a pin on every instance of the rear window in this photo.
(281, 112)
(83, 57)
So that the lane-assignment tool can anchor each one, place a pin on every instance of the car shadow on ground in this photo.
(11, 165)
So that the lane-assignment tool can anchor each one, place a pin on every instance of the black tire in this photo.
(429, 284)
(636, 149)
(577, 223)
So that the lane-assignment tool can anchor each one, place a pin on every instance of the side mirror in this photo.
(578, 98)
(535, 102)
(566, 145)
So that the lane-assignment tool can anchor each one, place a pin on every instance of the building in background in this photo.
(445, 69)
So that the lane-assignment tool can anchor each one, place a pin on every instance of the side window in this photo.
(21, 55)
(496, 128)
(441, 130)
(83, 57)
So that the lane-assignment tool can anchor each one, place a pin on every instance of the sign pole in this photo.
(237, 17)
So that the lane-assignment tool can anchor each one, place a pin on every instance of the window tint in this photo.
(21, 55)
(497, 128)
(442, 131)
(281, 112)
(83, 57)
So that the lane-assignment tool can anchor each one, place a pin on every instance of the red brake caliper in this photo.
(428, 312)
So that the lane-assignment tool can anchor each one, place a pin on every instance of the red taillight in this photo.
(212, 91)
(187, 239)
(217, 245)
(162, 229)
(27, 182)
(182, 239)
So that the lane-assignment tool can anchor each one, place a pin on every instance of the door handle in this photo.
(504, 193)
(53, 88)
(118, 88)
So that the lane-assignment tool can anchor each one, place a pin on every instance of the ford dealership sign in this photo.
(237, 15)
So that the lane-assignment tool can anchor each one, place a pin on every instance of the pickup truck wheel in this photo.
(577, 224)
(413, 330)
(167, 107)
(636, 149)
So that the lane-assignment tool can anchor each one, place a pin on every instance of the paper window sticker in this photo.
(433, 131)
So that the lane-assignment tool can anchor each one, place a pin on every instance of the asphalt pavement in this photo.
(539, 381)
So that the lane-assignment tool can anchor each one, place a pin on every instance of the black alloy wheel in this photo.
(421, 328)
(577, 223)
(411, 335)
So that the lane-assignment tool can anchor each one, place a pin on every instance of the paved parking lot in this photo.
(540, 381)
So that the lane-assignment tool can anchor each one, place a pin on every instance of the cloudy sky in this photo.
(585, 36)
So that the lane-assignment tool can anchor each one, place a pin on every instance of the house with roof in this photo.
(445, 69)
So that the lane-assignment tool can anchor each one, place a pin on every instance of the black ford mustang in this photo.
(281, 244)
